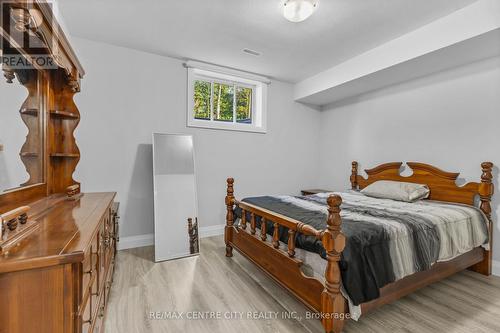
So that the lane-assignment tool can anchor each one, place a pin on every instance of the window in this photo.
(226, 99)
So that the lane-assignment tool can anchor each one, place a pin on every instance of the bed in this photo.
(344, 254)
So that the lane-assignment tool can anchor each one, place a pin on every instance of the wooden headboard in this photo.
(441, 183)
(443, 187)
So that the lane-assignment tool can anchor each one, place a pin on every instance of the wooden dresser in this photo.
(59, 278)
(57, 246)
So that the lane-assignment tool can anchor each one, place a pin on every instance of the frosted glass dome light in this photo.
(299, 10)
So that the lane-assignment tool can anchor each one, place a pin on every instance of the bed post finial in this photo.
(485, 193)
(486, 188)
(354, 175)
(332, 302)
(229, 216)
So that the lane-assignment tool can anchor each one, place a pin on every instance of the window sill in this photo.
(226, 126)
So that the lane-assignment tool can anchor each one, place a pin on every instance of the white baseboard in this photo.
(495, 270)
(131, 242)
(213, 230)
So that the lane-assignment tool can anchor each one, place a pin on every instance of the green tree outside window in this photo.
(221, 98)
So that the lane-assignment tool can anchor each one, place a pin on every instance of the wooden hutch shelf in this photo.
(29, 112)
(28, 154)
(63, 155)
(59, 114)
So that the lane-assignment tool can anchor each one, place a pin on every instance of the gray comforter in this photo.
(386, 239)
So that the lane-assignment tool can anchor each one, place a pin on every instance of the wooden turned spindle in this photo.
(276, 236)
(291, 243)
(229, 216)
(243, 219)
(263, 229)
(486, 190)
(307, 230)
(190, 235)
(354, 175)
(193, 235)
(252, 223)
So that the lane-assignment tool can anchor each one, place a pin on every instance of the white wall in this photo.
(450, 119)
(424, 48)
(126, 95)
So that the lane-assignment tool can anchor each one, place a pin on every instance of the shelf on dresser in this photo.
(64, 155)
(28, 154)
(61, 114)
(29, 112)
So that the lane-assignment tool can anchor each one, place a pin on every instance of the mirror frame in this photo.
(56, 87)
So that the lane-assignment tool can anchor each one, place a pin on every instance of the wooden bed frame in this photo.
(325, 298)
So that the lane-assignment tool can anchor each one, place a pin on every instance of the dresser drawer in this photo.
(99, 317)
(101, 267)
(95, 295)
(109, 280)
(90, 264)
(87, 272)
(85, 318)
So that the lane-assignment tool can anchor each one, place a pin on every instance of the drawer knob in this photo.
(101, 311)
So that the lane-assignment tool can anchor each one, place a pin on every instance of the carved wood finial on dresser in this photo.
(354, 175)
(9, 75)
(73, 191)
(74, 85)
(229, 216)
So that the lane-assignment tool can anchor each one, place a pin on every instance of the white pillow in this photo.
(400, 191)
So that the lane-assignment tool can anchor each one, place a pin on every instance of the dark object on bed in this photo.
(314, 191)
(326, 298)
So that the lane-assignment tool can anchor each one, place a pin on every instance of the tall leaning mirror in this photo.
(175, 201)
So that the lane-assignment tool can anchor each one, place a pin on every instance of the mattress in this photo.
(386, 239)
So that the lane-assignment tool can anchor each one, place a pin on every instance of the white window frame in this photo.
(210, 73)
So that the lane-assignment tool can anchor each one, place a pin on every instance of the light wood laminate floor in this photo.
(466, 302)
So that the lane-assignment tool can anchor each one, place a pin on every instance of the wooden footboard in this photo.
(282, 265)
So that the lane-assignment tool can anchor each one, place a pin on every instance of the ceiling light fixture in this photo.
(252, 52)
(299, 10)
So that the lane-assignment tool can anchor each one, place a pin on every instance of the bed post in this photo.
(354, 175)
(485, 194)
(228, 230)
(332, 302)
